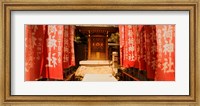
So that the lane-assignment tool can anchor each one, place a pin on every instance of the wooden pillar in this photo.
(89, 46)
(107, 45)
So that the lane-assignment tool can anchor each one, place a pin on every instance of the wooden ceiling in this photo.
(97, 30)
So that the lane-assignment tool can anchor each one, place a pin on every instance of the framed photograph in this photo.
(99, 52)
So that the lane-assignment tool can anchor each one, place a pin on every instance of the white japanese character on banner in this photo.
(66, 34)
(167, 32)
(131, 57)
(51, 60)
(165, 65)
(38, 55)
(59, 54)
(34, 27)
(130, 33)
(153, 49)
(122, 30)
(29, 66)
(34, 41)
(66, 49)
(160, 49)
(131, 48)
(51, 42)
(130, 41)
(65, 58)
(59, 60)
(54, 60)
(159, 34)
(159, 65)
(138, 41)
(129, 26)
(159, 42)
(52, 29)
(159, 37)
(60, 27)
(153, 63)
(60, 32)
(168, 48)
(170, 65)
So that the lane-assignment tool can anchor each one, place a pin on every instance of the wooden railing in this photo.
(70, 77)
(130, 75)
(69, 73)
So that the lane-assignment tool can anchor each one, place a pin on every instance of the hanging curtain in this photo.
(68, 50)
(150, 54)
(44, 51)
(166, 52)
(127, 45)
(139, 49)
(52, 53)
(33, 51)
(121, 44)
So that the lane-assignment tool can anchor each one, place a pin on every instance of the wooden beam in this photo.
(89, 46)
(107, 45)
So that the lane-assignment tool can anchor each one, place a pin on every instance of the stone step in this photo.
(95, 62)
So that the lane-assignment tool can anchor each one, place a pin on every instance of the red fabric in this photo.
(52, 67)
(121, 41)
(44, 51)
(166, 53)
(150, 50)
(139, 48)
(33, 51)
(68, 51)
(43, 72)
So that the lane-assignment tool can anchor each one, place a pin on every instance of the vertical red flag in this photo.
(52, 59)
(150, 48)
(166, 53)
(33, 51)
(137, 38)
(68, 49)
(72, 55)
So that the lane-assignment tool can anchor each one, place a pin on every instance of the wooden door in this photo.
(98, 48)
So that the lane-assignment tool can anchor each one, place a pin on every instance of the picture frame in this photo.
(119, 5)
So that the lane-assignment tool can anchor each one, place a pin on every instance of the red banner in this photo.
(52, 67)
(68, 50)
(149, 48)
(166, 52)
(45, 56)
(33, 51)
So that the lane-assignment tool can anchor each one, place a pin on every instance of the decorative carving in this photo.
(98, 44)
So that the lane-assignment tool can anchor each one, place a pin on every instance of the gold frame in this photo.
(5, 83)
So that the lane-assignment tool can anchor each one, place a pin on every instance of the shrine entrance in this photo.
(97, 41)
(98, 47)
(93, 51)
